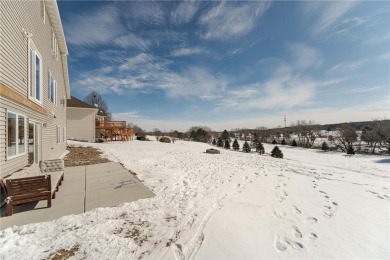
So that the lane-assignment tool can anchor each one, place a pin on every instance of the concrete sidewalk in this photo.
(84, 188)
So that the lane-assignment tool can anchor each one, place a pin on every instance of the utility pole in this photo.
(285, 121)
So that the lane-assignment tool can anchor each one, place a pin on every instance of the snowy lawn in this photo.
(310, 204)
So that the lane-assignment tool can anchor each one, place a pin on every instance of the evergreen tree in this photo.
(214, 142)
(236, 145)
(227, 144)
(294, 143)
(260, 148)
(274, 142)
(246, 148)
(220, 142)
(324, 146)
(283, 142)
(350, 150)
(225, 135)
(276, 152)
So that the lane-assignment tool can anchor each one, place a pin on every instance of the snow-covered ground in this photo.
(233, 205)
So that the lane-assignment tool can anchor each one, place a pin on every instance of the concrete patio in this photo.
(84, 188)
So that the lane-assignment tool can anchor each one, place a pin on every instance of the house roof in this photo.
(101, 112)
(55, 19)
(75, 102)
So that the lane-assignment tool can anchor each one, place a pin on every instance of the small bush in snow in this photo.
(274, 142)
(324, 146)
(350, 150)
(294, 143)
(214, 142)
(246, 148)
(165, 139)
(283, 142)
(276, 152)
(220, 142)
(236, 145)
(227, 144)
(260, 148)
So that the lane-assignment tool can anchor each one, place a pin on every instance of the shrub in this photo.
(227, 144)
(236, 145)
(274, 142)
(283, 142)
(214, 142)
(276, 152)
(324, 146)
(165, 139)
(246, 148)
(350, 150)
(260, 148)
(294, 143)
(220, 142)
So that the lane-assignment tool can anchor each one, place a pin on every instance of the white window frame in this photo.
(17, 154)
(63, 134)
(33, 53)
(43, 11)
(54, 90)
(54, 45)
(58, 134)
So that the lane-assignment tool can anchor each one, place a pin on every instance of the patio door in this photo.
(34, 133)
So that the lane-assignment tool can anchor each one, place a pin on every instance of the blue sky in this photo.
(172, 65)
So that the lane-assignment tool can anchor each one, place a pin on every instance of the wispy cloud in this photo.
(227, 19)
(184, 12)
(99, 26)
(133, 41)
(346, 66)
(145, 72)
(187, 51)
(283, 90)
(385, 38)
(128, 115)
(305, 56)
(327, 14)
(365, 89)
(146, 12)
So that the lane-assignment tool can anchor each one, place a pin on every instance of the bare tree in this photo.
(95, 99)
(377, 135)
(345, 136)
(135, 128)
(306, 131)
(157, 132)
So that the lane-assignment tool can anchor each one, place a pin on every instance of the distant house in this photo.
(81, 120)
(34, 84)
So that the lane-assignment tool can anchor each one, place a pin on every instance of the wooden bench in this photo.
(29, 189)
(51, 170)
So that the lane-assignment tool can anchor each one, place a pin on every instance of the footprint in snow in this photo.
(296, 210)
(313, 236)
(312, 220)
(296, 232)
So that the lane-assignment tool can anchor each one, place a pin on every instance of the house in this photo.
(81, 120)
(34, 84)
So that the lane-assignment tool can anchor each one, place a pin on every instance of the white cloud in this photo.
(184, 12)
(365, 89)
(128, 115)
(99, 26)
(346, 66)
(187, 51)
(227, 19)
(282, 91)
(327, 14)
(132, 40)
(385, 38)
(147, 12)
(305, 56)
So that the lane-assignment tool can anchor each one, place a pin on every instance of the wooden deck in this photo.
(111, 125)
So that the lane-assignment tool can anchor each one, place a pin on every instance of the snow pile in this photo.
(230, 205)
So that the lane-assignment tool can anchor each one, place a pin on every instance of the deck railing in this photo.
(110, 124)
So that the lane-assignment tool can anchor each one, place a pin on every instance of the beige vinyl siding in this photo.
(81, 124)
(16, 16)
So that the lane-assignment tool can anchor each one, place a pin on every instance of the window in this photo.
(58, 134)
(35, 74)
(16, 136)
(52, 89)
(43, 11)
(54, 45)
